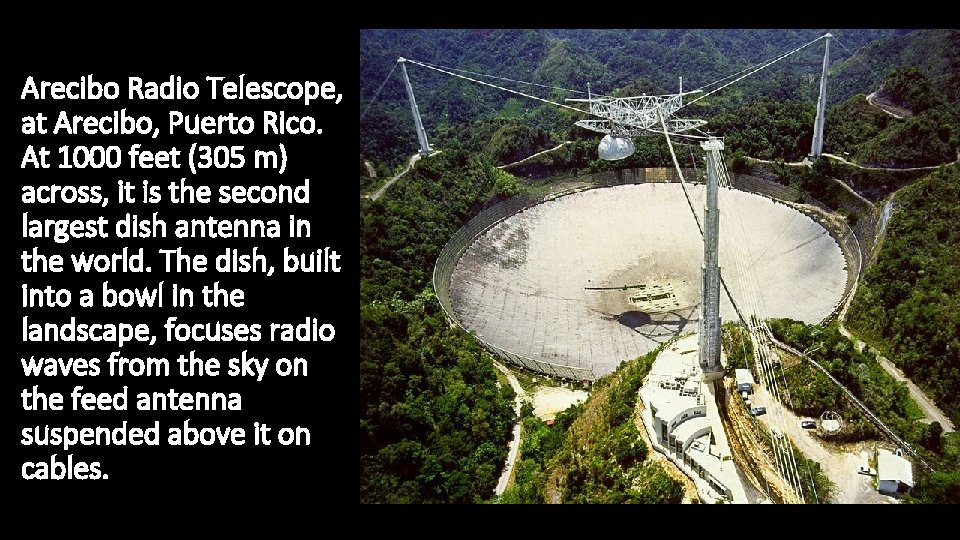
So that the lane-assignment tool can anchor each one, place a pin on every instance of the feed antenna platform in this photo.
(620, 118)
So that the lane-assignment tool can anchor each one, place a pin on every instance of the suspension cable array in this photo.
(613, 109)
(478, 74)
(877, 74)
(641, 114)
(517, 92)
(377, 93)
(764, 355)
(752, 71)
(757, 327)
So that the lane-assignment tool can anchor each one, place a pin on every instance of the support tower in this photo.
(421, 134)
(710, 282)
(816, 148)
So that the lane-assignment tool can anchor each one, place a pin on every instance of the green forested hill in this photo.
(928, 135)
(434, 426)
(909, 299)
(611, 60)
(593, 453)
(936, 53)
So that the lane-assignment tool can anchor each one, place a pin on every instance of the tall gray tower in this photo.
(421, 134)
(816, 148)
(710, 283)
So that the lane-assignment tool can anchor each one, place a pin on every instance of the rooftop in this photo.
(676, 372)
(893, 467)
(744, 376)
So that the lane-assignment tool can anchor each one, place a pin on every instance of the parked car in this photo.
(776, 432)
(808, 424)
(867, 470)
(757, 411)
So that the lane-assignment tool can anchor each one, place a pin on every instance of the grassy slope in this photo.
(603, 459)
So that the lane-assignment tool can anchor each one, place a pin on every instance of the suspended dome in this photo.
(614, 148)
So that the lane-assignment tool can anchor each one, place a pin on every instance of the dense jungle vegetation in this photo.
(434, 423)
(908, 303)
(593, 453)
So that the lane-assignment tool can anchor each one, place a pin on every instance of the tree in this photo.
(932, 438)
(937, 487)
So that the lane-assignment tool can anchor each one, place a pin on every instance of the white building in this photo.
(681, 417)
(894, 474)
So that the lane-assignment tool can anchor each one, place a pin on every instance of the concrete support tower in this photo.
(710, 283)
(816, 148)
(421, 134)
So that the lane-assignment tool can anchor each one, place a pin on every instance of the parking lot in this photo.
(839, 462)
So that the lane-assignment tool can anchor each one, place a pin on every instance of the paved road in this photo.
(928, 168)
(803, 163)
(807, 163)
(561, 145)
(891, 113)
(376, 194)
(870, 101)
(838, 464)
(930, 410)
(515, 443)
(852, 191)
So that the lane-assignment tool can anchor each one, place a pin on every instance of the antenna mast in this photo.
(816, 148)
(421, 133)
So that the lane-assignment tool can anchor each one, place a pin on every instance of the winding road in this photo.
(882, 108)
(930, 410)
(557, 147)
(852, 191)
(376, 194)
(515, 442)
(927, 168)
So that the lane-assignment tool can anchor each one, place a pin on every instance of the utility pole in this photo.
(817, 147)
(710, 274)
(421, 134)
